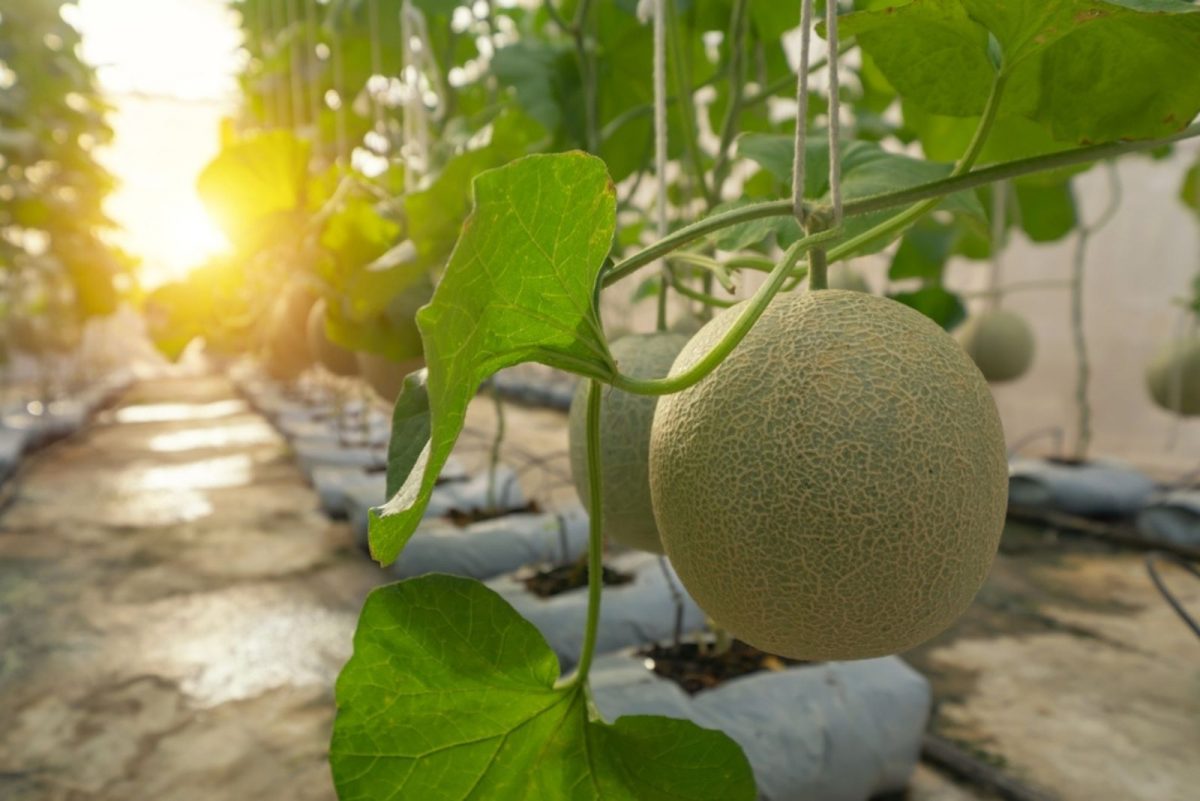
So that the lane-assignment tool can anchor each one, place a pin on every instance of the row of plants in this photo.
(825, 469)
(58, 267)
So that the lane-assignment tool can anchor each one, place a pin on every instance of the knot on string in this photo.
(802, 214)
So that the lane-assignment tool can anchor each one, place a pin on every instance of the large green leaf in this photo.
(519, 287)
(1088, 70)
(1047, 210)
(451, 695)
(253, 182)
(935, 302)
(436, 212)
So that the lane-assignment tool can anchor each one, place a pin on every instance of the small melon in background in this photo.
(836, 488)
(287, 354)
(686, 324)
(1173, 377)
(843, 276)
(625, 421)
(999, 342)
(385, 376)
(330, 355)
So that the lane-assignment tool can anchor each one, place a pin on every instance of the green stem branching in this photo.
(595, 536)
(745, 321)
(889, 200)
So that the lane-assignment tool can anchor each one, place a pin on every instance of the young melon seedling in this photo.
(329, 354)
(1173, 377)
(836, 488)
(1000, 343)
(625, 440)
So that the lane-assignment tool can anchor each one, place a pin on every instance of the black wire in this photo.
(1152, 569)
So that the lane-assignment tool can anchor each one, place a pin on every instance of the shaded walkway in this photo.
(173, 610)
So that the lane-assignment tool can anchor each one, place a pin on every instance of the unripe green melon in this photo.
(624, 440)
(330, 355)
(1173, 377)
(999, 342)
(836, 488)
(385, 376)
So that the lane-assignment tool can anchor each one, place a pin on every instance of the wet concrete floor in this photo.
(173, 610)
(1071, 674)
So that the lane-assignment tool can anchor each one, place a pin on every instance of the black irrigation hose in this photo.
(950, 758)
(1152, 568)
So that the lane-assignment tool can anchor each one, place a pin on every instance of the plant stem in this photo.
(497, 441)
(1083, 369)
(818, 269)
(888, 200)
(910, 215)
(595, 535)
(745, 321)
(703, 297)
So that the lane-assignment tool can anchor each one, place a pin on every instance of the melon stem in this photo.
(749, 316)
(595, 535)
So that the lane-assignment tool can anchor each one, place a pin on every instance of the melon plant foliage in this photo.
(529, 153)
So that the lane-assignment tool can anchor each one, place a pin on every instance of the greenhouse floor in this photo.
(174, 610)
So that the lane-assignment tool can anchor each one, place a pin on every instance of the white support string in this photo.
(376, 62)
(660, 113)
(801, 141)
(660, 144)
(835, 122)
(416, 118)
(270, 116)
(294, 61)
(339, 88)
(312, 68)
(834, 113)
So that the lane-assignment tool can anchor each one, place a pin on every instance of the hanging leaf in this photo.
(923, 251)
(1087, 70)
(519, 287)
(253, 186)
(943, 307)
(1047, 211)
(451, 695)
(435, 213)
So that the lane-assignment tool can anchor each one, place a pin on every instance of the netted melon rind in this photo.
(837, 487)
(624, 440)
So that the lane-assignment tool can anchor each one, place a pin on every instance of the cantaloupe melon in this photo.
(1000, 343)
(330, 355)
(1173, 377)
(624, 440)
(837, 487)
